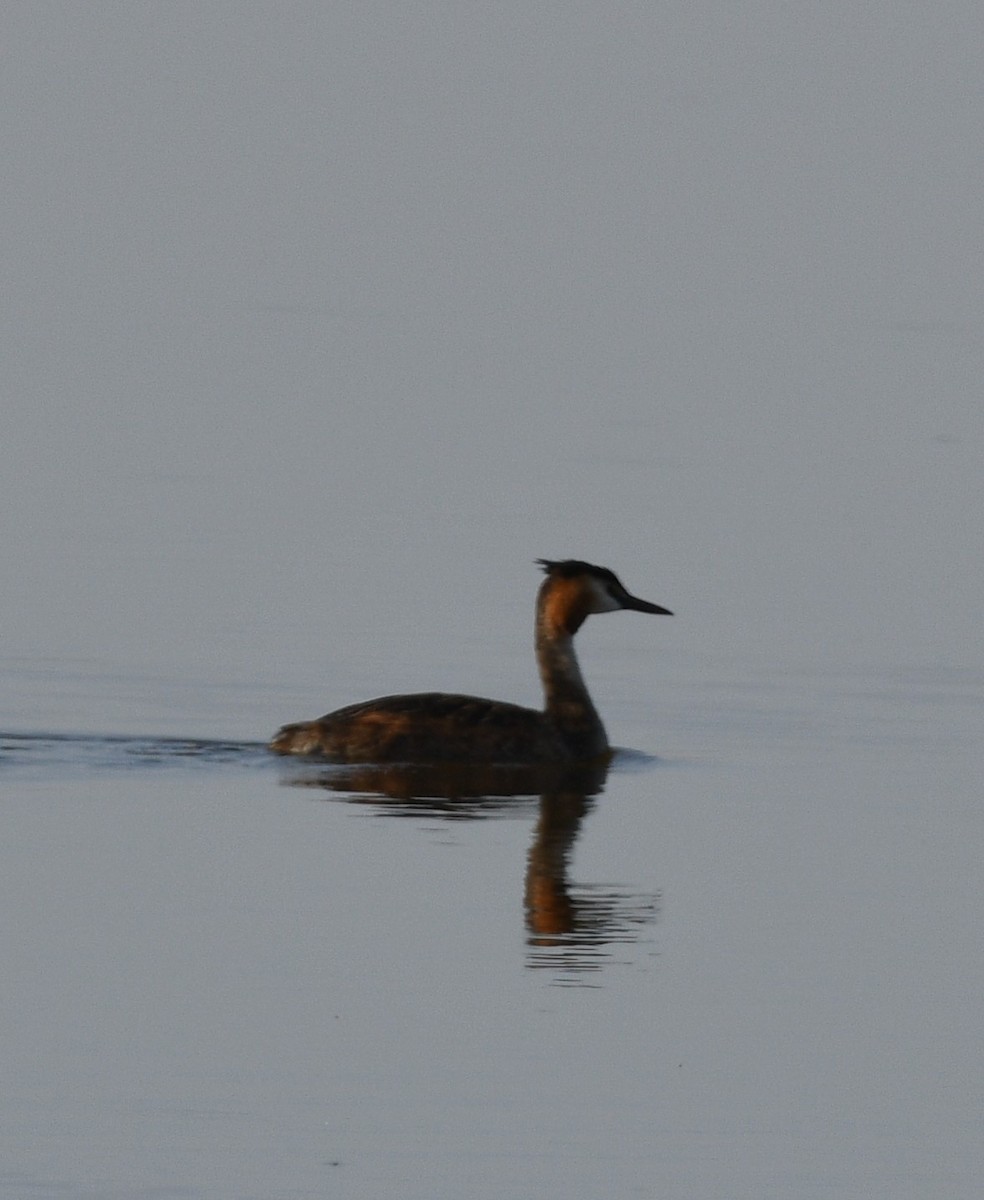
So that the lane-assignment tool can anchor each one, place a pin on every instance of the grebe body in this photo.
(439, 727)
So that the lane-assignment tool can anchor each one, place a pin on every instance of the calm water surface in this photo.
(321, 322)
(747, 967)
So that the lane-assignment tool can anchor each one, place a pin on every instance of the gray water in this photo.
(320, 325)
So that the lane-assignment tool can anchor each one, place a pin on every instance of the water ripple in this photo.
(46, 754)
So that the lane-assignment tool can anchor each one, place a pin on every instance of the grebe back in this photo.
(438, 727)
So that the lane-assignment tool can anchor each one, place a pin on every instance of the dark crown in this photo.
(570, 568)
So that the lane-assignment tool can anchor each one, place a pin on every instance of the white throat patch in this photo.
(601, 599)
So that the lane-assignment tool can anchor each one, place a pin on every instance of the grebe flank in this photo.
(437, 727)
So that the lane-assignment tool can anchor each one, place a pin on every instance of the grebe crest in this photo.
(440, 727)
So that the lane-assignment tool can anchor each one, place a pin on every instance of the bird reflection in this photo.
(572, 929)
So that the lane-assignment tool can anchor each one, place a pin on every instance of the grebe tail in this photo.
(441, 727)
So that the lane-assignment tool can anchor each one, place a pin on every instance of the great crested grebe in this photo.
(437, 727)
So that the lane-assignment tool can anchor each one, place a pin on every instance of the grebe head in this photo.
(573, 590)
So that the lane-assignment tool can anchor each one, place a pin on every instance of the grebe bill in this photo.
(439, 727)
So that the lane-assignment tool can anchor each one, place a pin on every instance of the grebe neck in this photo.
(566, 699)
